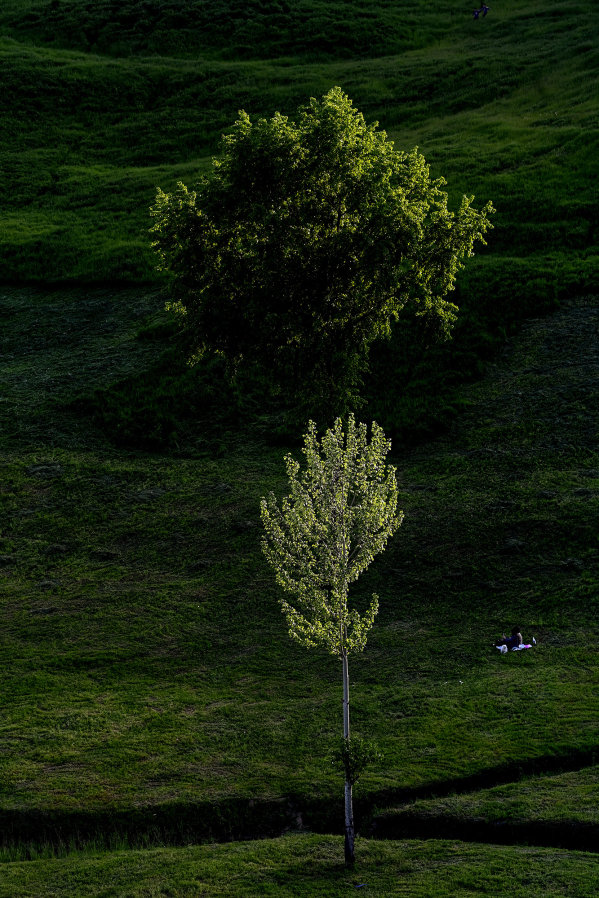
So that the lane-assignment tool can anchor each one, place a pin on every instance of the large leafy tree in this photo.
(305, 240)
(339, 514)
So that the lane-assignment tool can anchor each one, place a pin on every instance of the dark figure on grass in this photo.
(512, 641)
(483, 9)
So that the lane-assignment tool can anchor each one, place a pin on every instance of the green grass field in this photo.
(504, 108)
(150, 695)
(539, 805)
(150, 691)
(309, 866)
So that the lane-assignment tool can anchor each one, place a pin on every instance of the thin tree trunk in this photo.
(349, 811)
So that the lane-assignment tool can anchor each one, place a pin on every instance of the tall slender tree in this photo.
(339, 514)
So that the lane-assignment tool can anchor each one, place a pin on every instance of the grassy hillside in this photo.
(535, 811)
(150, 693)
(99, 107)
(150, 689)
(309, 867)
(226, 29)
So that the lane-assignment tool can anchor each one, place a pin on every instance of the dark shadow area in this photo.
(551, 834)
(242, 819)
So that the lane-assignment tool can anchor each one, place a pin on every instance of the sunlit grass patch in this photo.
(309, 866)
(569, 798)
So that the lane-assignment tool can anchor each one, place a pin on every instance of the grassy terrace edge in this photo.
(309, 866)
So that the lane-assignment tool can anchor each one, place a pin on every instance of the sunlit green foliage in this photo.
(304, 244)
(340, 512)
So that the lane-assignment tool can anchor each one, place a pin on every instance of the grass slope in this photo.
(259, 28)
(505, 108)
(150, 692)
(147, 669)
(561, 798)
(309, 867)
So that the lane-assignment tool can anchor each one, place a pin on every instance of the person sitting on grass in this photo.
(512, 641)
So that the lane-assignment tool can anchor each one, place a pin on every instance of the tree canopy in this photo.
(341, 510)
(303, 243)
